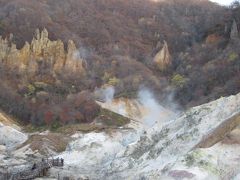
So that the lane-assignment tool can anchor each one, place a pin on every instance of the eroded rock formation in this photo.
(234, 31)
(163, 58)
(41, 52)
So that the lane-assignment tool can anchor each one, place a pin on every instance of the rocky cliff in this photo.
(40, 54)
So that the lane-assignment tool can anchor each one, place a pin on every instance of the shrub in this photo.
(113, 81)
(232, 57)
(31, 90)
(106, 77)
(179, 81)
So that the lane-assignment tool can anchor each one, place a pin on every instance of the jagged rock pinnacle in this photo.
(163, 58)
(41, 49)
(234, 31)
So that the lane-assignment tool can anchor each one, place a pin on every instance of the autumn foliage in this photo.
(118, 40)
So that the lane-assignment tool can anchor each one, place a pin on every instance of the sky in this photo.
(223, 2)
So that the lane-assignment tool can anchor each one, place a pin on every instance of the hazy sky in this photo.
(223, 2)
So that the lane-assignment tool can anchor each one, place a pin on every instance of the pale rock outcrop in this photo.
(234, 31)
(73, 60)
(10, 137)
(41, 50)
(10, 133)
(163, 58)
(220, 161)
(24, 55)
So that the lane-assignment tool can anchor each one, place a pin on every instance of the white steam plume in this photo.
(155, 112)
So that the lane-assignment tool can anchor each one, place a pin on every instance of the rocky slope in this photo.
(167, 149)
(11, 138)
(10, 135)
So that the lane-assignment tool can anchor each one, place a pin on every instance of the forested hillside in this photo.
(54, 54)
